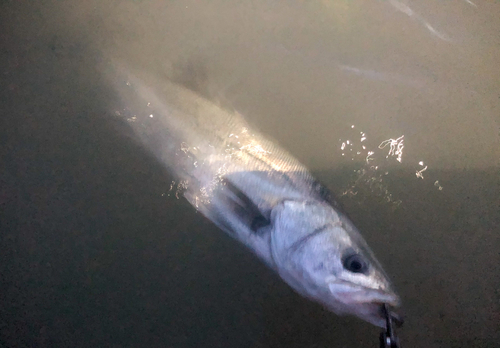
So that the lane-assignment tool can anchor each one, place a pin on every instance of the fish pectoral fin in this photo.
(239, 207)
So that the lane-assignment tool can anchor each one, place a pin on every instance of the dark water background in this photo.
(94, 253)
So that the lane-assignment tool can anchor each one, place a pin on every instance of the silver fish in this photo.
(259, 194)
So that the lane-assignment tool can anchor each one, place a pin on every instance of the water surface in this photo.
(96, 253)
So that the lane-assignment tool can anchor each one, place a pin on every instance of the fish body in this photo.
(259, 194)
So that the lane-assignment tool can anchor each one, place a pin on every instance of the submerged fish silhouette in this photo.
(259, 194)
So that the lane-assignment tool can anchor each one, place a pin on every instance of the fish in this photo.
(256, 192)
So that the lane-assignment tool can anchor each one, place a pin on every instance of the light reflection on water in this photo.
(374, 165)
(78, 199)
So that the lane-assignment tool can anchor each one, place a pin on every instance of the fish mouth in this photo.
(359, 295)
(379, 314)
(391, 316)
(371, 305)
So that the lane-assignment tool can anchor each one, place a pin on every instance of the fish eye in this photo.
(355, 263)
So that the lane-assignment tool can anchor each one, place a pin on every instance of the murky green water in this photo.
(94, 253)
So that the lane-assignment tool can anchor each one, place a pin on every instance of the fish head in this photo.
(319, 252)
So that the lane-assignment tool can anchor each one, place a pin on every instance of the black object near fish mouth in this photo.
(395, 318)
(388, 337)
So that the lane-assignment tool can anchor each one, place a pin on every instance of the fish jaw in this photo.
(364, 303)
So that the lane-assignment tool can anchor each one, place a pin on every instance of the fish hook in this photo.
(388, 338)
